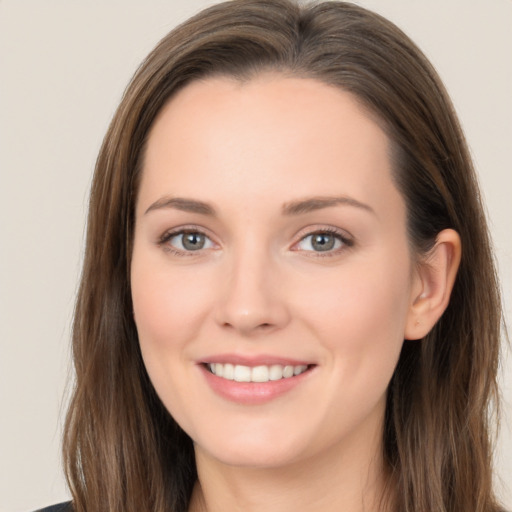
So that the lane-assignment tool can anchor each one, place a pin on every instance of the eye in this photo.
(322, 241)
(186, 241)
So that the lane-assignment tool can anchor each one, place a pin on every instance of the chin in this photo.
(256, 460)
(251, 452)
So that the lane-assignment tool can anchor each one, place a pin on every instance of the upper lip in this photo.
(254, 360)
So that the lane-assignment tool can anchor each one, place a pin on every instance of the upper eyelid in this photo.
(189, 228)
(312, 230)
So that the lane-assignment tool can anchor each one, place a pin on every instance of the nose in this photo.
(252, 299)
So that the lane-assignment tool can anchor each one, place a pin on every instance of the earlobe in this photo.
(433, 285)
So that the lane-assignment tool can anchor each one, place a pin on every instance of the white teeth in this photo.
(218, 369)
(241, 373)
(228, 371)
(287, 372)
(276, 372)
(259, 374)
(297, 370)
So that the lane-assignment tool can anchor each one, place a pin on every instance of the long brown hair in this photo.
(122, 449)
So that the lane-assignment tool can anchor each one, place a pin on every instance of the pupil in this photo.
(323, 242)
(193, 241)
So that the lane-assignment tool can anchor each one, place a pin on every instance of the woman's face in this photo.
(271, 276)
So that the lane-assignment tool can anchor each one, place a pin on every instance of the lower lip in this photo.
(252, 393)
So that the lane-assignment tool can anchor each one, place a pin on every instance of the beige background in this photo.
(63, 67)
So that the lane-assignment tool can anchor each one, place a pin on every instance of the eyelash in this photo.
(336, 233)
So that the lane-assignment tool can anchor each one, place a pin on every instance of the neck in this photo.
(350, 478)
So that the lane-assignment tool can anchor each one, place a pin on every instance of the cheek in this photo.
(168, 314)
(360, 325)
(167, 310)
(361, 321)
(167, 306)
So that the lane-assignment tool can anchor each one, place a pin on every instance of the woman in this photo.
(241, 343)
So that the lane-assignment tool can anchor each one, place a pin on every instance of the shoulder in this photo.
(61, 507)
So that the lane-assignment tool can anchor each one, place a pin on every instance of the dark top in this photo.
(61, 507)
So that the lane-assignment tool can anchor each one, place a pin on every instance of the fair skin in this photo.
(270, 235)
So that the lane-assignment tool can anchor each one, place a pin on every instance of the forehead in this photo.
(263, 136)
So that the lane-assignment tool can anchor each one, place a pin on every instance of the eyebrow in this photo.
(317, 203)
(183, 204)
(297, 207)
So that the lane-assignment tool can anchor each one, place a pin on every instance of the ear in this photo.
(433, 284)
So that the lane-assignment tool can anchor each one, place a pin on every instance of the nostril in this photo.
(264, 326)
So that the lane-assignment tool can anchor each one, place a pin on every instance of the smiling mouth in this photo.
(262, 373)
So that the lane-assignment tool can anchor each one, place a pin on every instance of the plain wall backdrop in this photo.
(63, 67)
